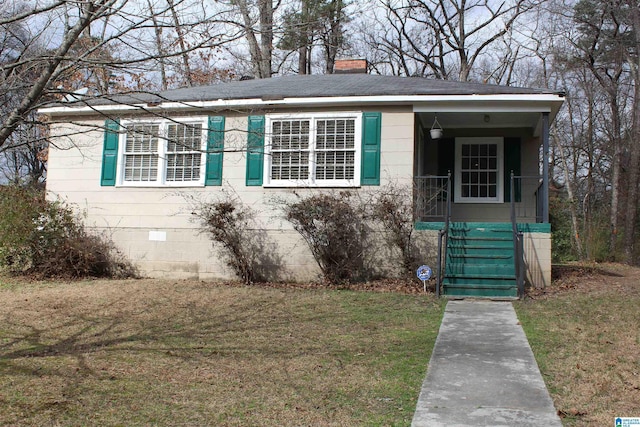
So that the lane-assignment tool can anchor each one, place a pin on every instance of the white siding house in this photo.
(129, 161)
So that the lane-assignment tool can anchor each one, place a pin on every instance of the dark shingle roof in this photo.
(318, 86)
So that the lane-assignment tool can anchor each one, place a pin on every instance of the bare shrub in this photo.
(332, 224)
(232, 227)
(46, 238)
(392, 207)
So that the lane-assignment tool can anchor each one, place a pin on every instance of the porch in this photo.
(479, 187)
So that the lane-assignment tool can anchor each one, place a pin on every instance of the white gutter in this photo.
(421, 103)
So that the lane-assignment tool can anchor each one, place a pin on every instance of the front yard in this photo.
(159, 352)
(585, 334)
(149, 352)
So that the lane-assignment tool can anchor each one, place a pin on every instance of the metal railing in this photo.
(518, 238)
(527, 194)
(431, 195)
(432, 203)
(443, 237)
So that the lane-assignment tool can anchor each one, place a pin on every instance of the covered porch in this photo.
(482, 184)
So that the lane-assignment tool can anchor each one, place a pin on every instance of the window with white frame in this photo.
(479, 170)
(313, 150)
(163, 152)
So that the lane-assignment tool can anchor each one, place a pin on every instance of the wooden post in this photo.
(545, 168)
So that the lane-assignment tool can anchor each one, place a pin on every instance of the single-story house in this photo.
(476, 156)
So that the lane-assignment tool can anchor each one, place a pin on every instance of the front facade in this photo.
(133, 162)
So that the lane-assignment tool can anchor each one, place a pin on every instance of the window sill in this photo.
(159, 185)
(306, 184)
(478, 201)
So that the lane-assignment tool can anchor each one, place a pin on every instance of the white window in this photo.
(479, 170)
(313, 150)
(163, 152)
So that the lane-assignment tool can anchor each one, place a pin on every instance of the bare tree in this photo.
(632, 56)
(23, 159)
(63, 51)
(256, 23)
(333, 34)
(184, 53)
(51, 66)
(396, 45)
(315, 24)
(608, 45)
(447, 38)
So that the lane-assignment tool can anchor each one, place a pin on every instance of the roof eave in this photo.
(543, 102)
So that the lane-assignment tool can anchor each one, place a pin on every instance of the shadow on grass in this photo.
(191, 330)
(240, 343)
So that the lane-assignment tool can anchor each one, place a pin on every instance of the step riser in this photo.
(496, 226)
(480, 250)
(487, 293)
(475, 234)
(480, 243)
(480, 270)
(467, 280)
(479, 260)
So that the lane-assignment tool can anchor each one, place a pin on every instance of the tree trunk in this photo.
(266, 37)
(572, 205)
(254, 47)
(302, 60)
(634, 142)
(161, 53)
(183, 48)
(333, 38)
(615, 179)
(631, 213)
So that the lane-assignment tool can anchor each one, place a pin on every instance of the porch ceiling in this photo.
(483, 120)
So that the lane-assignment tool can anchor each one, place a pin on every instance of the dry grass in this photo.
(151, 352)
(585, 333)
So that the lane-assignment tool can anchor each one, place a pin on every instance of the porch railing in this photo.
(518, 239)
(433, 204)
(527, 198)
(443, 239)
(431, 197)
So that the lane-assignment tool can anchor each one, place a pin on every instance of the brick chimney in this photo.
(350, 66)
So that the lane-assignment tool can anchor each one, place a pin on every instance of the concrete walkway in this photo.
(482, 372)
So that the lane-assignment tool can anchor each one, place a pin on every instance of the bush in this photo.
(333, 227)
(47, 239)
(392, 207)
(244, 246)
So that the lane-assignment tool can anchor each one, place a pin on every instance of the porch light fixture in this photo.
(436, 129)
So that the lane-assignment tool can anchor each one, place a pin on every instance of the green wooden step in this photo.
(480, 261)
(478, 242)
(480, 270)
(474, 258)
(476, 290)
(477, 249)
(493, 280)
(495, 226)
(475, 232)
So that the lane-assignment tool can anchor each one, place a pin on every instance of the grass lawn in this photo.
(152, 352)
(585, 333)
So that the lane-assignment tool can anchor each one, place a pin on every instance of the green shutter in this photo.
(110, 153)
(512, 163)
(215, 151)
(371, 130)
(255, 150)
